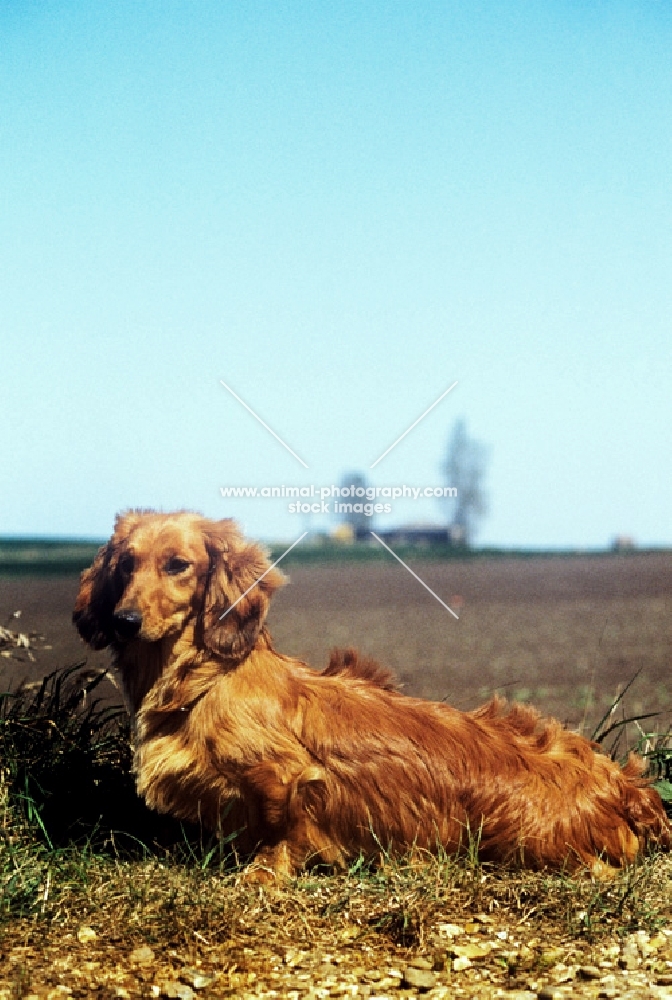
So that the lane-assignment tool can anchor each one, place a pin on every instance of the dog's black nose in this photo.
(127, 624)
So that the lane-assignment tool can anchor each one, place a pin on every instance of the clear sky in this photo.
(338, 208)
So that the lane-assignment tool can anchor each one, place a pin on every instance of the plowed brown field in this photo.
(565, 633)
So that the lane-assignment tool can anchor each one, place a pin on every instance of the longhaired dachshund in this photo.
(324, 767)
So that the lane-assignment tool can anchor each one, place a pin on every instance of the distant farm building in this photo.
(420, 536)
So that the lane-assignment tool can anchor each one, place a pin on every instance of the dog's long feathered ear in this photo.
(100, 588)
(236, 565)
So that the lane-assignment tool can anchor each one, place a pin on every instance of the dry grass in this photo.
(133, 928)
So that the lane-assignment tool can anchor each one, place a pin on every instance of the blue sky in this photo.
(339, 209)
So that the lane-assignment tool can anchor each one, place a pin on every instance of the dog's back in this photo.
(399, 771)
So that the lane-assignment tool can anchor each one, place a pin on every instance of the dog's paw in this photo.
(271, 866)
(256, 874)
(601, 871)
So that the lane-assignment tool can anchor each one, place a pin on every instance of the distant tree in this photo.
(359, 522)
(464, 469)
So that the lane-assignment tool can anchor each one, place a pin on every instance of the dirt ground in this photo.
(565, 633)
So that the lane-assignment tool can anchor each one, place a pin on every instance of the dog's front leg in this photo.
(293, 830)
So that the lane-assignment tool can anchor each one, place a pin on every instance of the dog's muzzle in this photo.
(127, 624)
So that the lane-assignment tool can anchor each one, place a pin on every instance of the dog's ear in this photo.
(236, 567)
(100, 587)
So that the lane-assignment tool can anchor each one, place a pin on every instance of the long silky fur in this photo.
(323, 766)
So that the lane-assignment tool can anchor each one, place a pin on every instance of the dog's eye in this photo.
(176, 565)
(126, 564)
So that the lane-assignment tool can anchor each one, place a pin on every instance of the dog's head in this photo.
(160, 571)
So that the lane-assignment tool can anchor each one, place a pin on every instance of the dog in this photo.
(327, 767)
